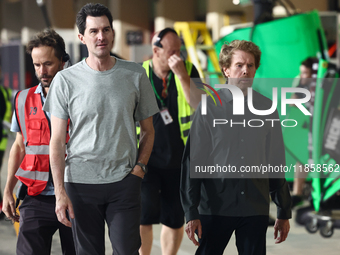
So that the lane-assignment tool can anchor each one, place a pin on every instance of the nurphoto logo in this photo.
(204, 96)
(238, 104)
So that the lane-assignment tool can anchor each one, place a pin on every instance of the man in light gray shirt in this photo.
(103, 97)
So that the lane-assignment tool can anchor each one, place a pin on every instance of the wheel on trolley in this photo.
(327, 230)
(312, 226)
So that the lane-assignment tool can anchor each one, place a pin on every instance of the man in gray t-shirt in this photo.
(103, 97)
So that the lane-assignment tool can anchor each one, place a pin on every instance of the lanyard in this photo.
(154, 89)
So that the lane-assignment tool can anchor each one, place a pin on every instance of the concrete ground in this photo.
(299, 240)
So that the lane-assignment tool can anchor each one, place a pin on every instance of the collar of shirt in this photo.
(229, 97)
(38, 90)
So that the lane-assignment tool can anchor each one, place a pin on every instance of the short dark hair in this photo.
(48, 37)
(229, 49)
(94, 10)
(308, 62)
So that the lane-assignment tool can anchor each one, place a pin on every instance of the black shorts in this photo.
(160, 198)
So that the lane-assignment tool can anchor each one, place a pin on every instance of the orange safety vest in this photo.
(34, 170)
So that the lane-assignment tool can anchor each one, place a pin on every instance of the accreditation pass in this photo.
(167, 119)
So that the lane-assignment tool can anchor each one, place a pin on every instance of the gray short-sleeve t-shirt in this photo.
(103, 108)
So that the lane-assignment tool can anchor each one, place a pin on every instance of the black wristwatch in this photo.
(144, 167)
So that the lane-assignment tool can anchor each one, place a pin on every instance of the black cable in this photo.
(285, 7)
(291, 5)
(321, 44)
(265, 16)
(45, 15)
(262, 17)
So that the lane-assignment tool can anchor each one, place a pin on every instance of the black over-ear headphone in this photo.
(162, 34)
(65, 57)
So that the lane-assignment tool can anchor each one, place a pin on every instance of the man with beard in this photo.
(29, 155)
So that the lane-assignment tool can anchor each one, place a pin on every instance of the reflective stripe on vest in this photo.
(37, 150)
(34, 170)
(20, 104)
(184, 109)
(33, 175)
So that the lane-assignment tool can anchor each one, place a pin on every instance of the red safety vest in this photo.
(34, 170)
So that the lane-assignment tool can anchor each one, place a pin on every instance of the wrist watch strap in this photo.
(144, 167)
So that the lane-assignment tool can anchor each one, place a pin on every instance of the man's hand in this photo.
(281, 226)
(191, 228)
(177, 66)
(8, 206)
(138, 171)
(64, 203)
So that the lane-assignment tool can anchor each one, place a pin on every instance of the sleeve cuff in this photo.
(192, 215)
(283, 214)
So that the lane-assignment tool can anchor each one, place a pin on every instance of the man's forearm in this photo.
(57, 160)
(16, 156)
(191, 92)
(145, 145)
(185, 82)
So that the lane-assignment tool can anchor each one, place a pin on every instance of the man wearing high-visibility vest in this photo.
(29, 156)
(177, 97)
(5, 116)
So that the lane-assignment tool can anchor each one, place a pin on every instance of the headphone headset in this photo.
(65, 57)
(162, 34)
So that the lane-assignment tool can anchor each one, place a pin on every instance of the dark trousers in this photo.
(250, 234)
(116, 203)
(38, 223)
